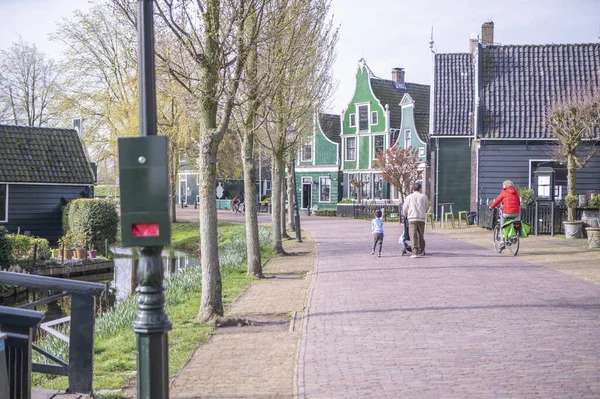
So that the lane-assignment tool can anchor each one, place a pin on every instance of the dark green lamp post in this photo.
(145, 221)
(296, 213)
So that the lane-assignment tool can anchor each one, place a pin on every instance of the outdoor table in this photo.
(442, 215)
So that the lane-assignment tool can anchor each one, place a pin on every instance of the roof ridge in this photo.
(542, 45)
(36, 128)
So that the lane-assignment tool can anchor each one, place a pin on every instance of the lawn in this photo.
(115, 343)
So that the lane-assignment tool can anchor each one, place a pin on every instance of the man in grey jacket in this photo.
(415, 209)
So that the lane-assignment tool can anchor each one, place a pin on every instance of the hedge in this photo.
(96, 219)
(23, 248)
(326, 212)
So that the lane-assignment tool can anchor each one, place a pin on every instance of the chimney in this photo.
(398, 75)
(473, 45)
(487, 33)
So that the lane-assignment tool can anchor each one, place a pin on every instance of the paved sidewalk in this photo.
(257, 360)
(461, 322)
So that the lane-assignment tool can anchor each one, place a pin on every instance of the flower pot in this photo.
(68, 254)
(573, 229)
(590, 217)
(593, 234)
(92, 253)
(80, 253)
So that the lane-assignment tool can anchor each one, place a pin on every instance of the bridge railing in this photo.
(79, 367)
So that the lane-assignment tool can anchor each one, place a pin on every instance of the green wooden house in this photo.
(382, 114)
(318, 173)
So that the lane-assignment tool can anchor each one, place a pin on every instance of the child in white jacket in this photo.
(377, 232)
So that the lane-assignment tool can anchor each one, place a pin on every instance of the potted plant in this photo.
(573, 122)
(79, 241)
(92, 253)
(593, 232)
(64, 246)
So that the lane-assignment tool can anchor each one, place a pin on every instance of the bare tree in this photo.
(29, 82)
(575, 122)
(214, 47)
(100, 64)
(300, 57)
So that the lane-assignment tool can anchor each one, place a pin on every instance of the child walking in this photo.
(377, 232)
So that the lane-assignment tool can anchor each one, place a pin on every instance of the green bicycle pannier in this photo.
(512, 228)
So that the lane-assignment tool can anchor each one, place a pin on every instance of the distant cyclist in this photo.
(511, 204)
(236, 202)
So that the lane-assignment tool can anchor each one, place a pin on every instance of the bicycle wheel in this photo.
(513, 245)
(497, 238)
(242, 208)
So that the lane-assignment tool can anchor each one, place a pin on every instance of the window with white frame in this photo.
(378, 144)
(365, 180)
(352, 120)
(363, 118)
(377, 186)
(422, 151)
(324, 189)
(351, 149)
(407, 138)
(374, 118)
(3, 203)
(307, 152)
(351, 187)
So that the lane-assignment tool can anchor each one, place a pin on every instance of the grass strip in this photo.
(115, 342)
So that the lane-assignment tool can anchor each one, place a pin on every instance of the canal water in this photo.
(124, 281)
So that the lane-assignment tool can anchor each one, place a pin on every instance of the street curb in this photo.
(299, 382)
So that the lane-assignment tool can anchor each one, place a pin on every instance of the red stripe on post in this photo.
(144, 230)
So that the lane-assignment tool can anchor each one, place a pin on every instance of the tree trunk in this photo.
(173, 209)
(252, 240)
(571, 183)
(276, 203)
(291, 187)
(211, 304)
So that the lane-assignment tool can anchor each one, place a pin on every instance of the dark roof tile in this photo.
(454, 85)
(518, 83)
(42, 155)
(390, 93)
(332, 126)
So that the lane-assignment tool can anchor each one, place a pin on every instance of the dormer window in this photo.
(374, 118)
(352, 120)
(363, 118)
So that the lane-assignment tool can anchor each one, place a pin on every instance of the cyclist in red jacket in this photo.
(511, 203)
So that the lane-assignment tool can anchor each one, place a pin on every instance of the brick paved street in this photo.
(462, 322)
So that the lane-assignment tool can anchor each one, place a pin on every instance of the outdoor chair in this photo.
(429, 219)
(449, 215)
(463, 216)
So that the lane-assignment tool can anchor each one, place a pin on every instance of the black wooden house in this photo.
(41, 169)
(489, 123)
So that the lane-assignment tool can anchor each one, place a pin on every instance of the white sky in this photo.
(387, 33)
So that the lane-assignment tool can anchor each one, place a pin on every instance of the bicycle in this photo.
(512, 242)
(241, 208)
